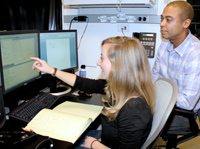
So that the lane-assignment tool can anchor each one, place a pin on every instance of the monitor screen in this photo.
(16, 49)
(59, 49)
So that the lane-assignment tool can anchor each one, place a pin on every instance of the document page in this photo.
(86, 110)
(58, 125)
(65, 122)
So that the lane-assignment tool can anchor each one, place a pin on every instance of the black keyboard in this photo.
(28, 109)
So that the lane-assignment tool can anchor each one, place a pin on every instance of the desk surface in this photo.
(33, 141)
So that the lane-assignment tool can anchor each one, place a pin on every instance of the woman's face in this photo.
(104, 62)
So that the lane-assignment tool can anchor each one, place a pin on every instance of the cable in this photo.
(75, 18)
(83, 32)
(122, 31)
(48, 139)
(80, 18)
(119, 7)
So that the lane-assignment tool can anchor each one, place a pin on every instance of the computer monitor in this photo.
(16, 48)
(59, 49)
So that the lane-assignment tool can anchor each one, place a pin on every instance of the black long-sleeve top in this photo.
(132, 124)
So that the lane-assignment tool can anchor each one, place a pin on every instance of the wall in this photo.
(90, 50)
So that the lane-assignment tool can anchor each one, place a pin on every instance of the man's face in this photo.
(171, 23)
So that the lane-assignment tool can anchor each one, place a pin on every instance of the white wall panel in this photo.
(90, 50)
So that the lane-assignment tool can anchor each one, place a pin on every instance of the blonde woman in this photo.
(129, 93)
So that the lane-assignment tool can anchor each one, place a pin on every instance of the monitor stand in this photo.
(66, 88)
(80, 94)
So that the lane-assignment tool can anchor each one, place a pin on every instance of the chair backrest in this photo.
(166, 96)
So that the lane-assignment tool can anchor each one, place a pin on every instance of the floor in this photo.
(191, 144)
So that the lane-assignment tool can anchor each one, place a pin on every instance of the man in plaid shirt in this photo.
(178, 58)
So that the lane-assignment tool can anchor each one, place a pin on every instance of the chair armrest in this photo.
(183, 112)
(191, 117)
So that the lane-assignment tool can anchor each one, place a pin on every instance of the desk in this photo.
(11, 125)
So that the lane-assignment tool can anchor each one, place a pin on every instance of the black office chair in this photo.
(175, 138)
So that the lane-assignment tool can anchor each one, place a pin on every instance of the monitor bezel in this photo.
(1, 65)
(71, 69)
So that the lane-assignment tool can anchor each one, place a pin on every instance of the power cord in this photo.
(80, 19)
(75, 18)
(83, 32)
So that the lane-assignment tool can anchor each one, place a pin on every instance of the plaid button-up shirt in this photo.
(182, 65)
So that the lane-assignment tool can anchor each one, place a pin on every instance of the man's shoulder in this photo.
(194, 45)
(194, 40)
(193, 48)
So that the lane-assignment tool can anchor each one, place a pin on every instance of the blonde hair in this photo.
(130, 75)
(186, 9)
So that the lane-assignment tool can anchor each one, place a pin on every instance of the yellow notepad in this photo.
(65, 122)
